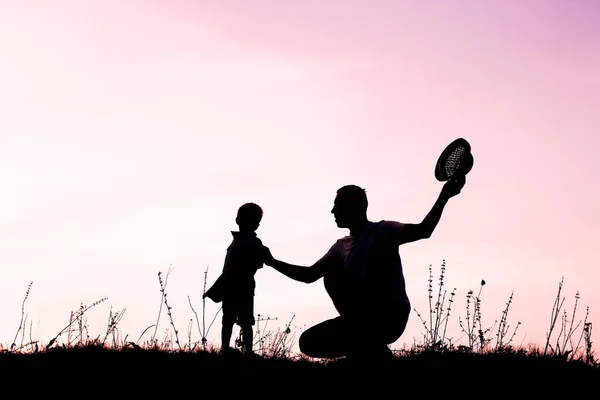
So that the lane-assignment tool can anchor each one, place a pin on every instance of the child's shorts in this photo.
(239, 310)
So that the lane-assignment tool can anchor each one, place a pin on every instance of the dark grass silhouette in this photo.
(95, 358)
(486, 353)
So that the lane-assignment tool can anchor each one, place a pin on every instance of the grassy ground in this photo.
(486, 363)
(129, 359)
(148, 372)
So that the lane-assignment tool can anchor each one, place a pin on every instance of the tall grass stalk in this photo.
(439, 312)
(563, 342)
(22, 323)
(75, 317)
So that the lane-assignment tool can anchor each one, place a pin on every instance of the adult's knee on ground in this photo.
(329, 339)
(306, 343)
(314, 342)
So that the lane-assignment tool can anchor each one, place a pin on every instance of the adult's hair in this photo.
(354, 196)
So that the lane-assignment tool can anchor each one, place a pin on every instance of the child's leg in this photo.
(226, 331)
(246, 321)
(228, 320)
(247, 335)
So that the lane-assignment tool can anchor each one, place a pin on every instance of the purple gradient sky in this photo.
(130, 132)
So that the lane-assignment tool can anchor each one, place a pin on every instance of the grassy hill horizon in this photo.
(566, 355)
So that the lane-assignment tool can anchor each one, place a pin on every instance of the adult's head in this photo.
(350, 206)
(249, 216)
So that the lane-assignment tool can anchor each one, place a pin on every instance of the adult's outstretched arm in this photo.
(296, 272)
(424, 230)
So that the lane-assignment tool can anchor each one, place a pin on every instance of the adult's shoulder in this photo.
(390, 225)
(341, 242)
(389, 222)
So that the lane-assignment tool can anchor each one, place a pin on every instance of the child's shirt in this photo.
(244, 257)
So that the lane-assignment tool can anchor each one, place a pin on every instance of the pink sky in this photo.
(131, 131)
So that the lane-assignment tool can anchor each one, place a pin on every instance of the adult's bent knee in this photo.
(312, 344)
(304, 343)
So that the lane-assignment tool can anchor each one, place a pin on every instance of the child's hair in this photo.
(249, 214)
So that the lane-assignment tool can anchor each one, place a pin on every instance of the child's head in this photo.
(248, 217)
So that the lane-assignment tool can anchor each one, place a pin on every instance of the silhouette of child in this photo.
(236, 284)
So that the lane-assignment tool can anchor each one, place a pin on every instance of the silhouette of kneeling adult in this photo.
(363, 276)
